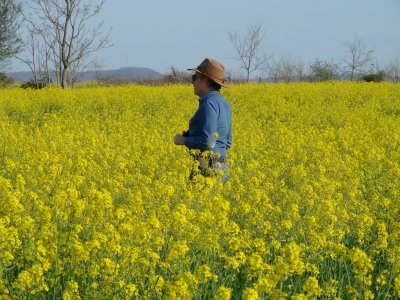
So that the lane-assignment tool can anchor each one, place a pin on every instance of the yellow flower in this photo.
(204, 274)
(255, 262)
(299, 297)
(250, 294)
(71, 291)
(223, 293)
(362, 265)
(178, 250)
(130, 291)
(311, 287)
(397, 286)
(93, 191)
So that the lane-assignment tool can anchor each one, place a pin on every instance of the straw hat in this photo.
(213, 70)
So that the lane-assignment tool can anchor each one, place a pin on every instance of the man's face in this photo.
(200, 85)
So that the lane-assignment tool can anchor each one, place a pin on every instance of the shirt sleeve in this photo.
(204, 139)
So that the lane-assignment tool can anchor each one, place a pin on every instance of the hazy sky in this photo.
(159, 34)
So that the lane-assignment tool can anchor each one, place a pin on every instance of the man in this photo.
(210, 128)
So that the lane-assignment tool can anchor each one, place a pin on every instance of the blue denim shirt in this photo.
(214, 115)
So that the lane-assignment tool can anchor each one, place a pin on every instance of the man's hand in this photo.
(179, 140)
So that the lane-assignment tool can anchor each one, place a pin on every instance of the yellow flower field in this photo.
(95, 201)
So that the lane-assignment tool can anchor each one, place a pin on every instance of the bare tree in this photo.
(63, 25)
(173, 75)
(357, 56)
(177, 76)
(392, 70)
(285, 69)
(37, 57)
(249, 49)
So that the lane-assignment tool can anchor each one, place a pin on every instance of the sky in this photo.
(161, 34)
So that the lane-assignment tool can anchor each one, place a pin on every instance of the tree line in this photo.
(358, 62)
(59, 38)
(62, 38)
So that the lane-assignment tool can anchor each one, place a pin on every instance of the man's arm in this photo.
(207, 117)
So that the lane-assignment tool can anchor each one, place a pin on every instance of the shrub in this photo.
(323, 71)
(374, 77)
(5, 81)
(34, 85)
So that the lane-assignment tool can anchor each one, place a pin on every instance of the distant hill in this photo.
(122, 74)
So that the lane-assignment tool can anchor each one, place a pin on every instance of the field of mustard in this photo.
(95, 201)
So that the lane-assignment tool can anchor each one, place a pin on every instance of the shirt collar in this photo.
(208, 94)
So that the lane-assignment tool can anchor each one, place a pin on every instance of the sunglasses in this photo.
(194, 77)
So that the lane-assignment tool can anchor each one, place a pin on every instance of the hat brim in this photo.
(223, 82)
